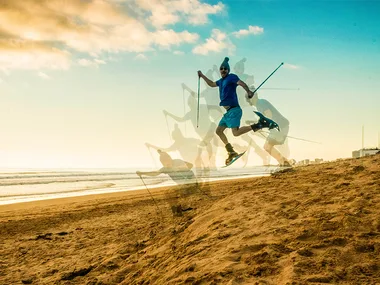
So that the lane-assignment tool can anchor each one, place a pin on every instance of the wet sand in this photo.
(317, 224)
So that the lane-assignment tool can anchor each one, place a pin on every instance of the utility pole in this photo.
(363, 137)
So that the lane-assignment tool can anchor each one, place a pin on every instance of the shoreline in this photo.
(76, 194)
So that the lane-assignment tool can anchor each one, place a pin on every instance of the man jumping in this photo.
(229, 100)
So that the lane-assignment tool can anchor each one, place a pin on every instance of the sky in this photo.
(83, 84)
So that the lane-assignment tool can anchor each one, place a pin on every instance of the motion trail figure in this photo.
(187, 147)
(274, 138)
(214, 111)
(181, 173)
(229, 100)
(239, 69)
(206, 129)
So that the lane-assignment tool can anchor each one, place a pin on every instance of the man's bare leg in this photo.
(231, 152)
(240, 131)
(275, 153)
(220, 132)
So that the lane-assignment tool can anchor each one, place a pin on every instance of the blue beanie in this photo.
(225, 63)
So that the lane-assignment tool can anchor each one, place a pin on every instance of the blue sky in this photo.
(91, 93)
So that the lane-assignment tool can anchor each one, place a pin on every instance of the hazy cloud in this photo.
(169, 12)
(141, 57)
(90, 62)
(44, 75)
(167, 38)
(42, 34)
(252, 30)
(22, 54)
(291, 66)
(217, 42)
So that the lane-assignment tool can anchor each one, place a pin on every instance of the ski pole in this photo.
(295, 138)
(167, 125)
(154, 161)
(305, 140)
(199, 82)
(297, 89)
(158, 209)
(184, 107)
(268, 77)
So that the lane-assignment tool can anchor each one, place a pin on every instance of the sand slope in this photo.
(309, 225)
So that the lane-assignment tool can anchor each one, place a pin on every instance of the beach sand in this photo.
(314, 224)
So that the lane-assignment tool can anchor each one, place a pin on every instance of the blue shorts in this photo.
(231, 119)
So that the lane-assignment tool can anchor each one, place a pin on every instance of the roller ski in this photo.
(264, 122)
(232, 157)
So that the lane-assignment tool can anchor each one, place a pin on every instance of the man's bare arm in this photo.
(187, 88)
(178, 119)
(246, 88)
(208, 81)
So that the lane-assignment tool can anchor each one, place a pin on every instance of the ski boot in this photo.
(264, 122)
(231, 156)
(231, 153)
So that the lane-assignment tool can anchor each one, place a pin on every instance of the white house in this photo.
(365, 152)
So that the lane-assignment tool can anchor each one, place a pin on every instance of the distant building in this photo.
(365, 152)
(308, 161)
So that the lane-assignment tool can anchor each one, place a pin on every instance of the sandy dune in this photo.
(309, 225)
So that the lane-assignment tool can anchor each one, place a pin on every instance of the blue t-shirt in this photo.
(227, 90)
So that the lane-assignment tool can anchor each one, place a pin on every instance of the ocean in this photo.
(26, 185)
